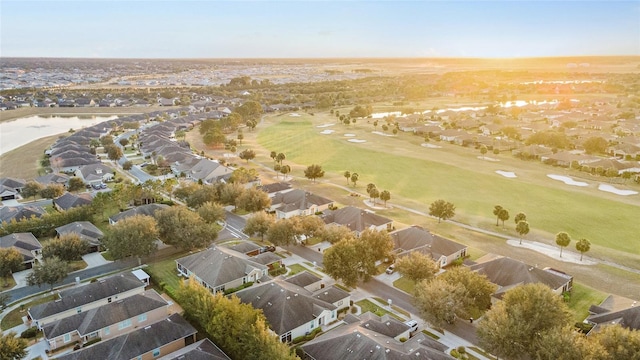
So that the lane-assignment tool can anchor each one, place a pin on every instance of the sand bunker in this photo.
(326, 132)
(507, 174)
(349, 135)
(612, 189)
(567, 180)
(294, 114)
(324, 125)
(431, 146)
(380, 133)
(553, 252)
(357, 141)
(487, 158)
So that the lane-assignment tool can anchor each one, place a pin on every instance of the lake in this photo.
(22, 131)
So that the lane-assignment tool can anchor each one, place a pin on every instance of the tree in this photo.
(106, 140)
(563, 240)
(354, 178)
(10, 261)
(618, 342)
(52, 191)
(250, 110)
(127, 165)
(568, 344)
(285, 169)
(503, 215)
(211, 212)
(313, 172)
(439, 301)
(441, 209)
(513, 328)
(124, 142)
(240, 136)
(243, 175)
(133, 236)
(478, 288)
(284, 231)
(280, 158)
(52, 271)
(335, 233)
(184, 228)
(31, 189)
(483, 150)
(310, 226)
(12, 347)
(342, 261)
(68, 247)
(496, 212)
(258, 224)
(247, 155)
(273, 155)
(237, 328)
(583, 245)
(75, 184)
(417, 266)
(375, 193)
(113, 152)
(229, 193)
(347, 176)
(520, 217)
(253, 199)
(523, 229)
(385, 196)
(595, 145)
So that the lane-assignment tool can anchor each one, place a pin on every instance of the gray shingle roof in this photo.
(82, 295)
(85, 229)
(298, 200)
(303, 279)
(415, 237)
(385, 325)
(245, 247)
(505, 271)
(628, 318)
(202, 350)
(266, 258)
(352, 342)
(20, 212)
(285, 305)
(354, 218)
(149, 210)
(106, 315)
(23, 242)
(135, 343)
(216, 267)
(69, 200)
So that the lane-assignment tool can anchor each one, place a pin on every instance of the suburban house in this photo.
(615, 310)
(201, 350)
(69, 200)
(208, 171)
(290, 310)
(13, 184)
(624, 150)
(386, 325)
(7, 193)
(218, 269)
(86, 230)
(306, 280)
(86, 297)
(268, 259)
(356, 341)
(415, 238)
(357, 220)
(248, 248)
(107, 321)
(148, 209)
(298, 202)
(314, 284)
(53, 178)
(272, 189)
(150, 342)
(508, 273)
(8, 213)
(26, 244)
(95, 173)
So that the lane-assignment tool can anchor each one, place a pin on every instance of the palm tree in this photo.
(523, 229)
(563, 240)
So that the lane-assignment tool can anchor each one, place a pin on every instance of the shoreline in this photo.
(9, 115)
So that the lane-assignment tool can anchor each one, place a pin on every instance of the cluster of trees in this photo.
(374, 193)
(531, 322)
(248, 199)
(352, 258)
(360, 111)
(45, 225)
(563, 240)
(522, 225)
(51, 191)
(458, 292)
(238, 329)
(13, 347)
(313, 172)
(284, 231)
(278, 166)
(10, 262)
(351, 177)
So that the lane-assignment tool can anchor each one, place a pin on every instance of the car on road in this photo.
(391, 269)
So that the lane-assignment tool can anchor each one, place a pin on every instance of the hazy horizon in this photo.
(319, 30)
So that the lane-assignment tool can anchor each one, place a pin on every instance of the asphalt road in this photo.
(23, 292)
(233, 228)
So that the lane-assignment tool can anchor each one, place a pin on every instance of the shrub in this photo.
(91, 342)
(354, 309)
(454, 353)
(403, 339)
(29, 333)
(583, 327)
(462, 350)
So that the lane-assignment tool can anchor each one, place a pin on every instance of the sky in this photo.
(318, 29)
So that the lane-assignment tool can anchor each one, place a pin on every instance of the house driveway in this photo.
(21, 277)
(94, 259)
(11, 203)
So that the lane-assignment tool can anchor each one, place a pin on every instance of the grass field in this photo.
(14, 317)
(24, 162)
(582, 297)
(368, 306)
(416, 176)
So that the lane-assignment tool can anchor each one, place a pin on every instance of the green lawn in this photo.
(405, 285)
(14, 317)
(582, 297)
(368, 306)
(165, 271)
(297, 268)
(395, 308)
(7, 282)
(416, 176)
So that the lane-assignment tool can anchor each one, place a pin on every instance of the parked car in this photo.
(270, 248)
(391, 269)
(103, 186)
(412, 324)
(96, 186)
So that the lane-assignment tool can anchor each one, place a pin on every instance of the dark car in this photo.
(270, 248)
